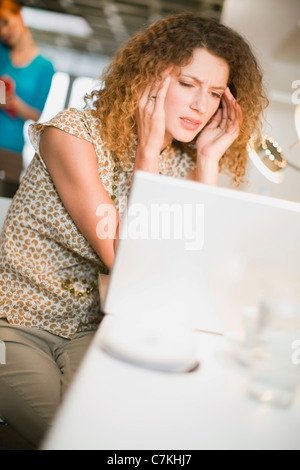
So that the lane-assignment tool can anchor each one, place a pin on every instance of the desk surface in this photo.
(114, 405)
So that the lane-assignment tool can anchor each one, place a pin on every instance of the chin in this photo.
(185, 139)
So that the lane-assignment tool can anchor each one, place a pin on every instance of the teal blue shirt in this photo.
(32, 86)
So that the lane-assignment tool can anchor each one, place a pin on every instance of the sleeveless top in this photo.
(48, 270)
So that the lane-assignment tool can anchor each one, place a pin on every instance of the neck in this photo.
(165, 146)
(25, 46)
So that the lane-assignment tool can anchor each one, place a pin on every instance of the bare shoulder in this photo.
(55, 143)
(53, 136)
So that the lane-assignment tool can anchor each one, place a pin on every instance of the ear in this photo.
(20, 18)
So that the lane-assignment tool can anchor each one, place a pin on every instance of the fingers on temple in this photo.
(156, 92)
(232, 111)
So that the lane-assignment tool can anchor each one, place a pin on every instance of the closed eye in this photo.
(189, 85)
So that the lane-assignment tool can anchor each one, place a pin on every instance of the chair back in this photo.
(4, 205)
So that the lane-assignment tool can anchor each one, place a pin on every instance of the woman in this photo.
(27, 76)
(181, 99)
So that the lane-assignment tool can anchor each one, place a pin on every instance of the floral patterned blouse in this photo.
(48, 270)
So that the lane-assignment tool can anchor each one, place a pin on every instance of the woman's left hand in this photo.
(221, 132)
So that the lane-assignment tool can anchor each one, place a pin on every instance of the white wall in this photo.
(268, 25)
(74, 62)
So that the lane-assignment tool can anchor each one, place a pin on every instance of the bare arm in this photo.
(205, 172)
(22, 110)
(72, 164)
(25, 111)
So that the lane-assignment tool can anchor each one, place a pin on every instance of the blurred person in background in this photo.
(27, 77)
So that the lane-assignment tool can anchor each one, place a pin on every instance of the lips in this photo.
(190, 123)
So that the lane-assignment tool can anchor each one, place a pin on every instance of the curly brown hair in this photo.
(11, 6)
(172, 41)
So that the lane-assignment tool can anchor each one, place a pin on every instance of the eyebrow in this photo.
(200, 81)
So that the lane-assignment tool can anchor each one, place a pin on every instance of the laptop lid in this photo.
(199, 255)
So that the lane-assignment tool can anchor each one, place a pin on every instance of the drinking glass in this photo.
(275, 359)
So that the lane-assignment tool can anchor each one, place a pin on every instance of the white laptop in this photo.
(196, 256)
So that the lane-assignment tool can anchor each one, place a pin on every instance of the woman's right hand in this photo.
(151, 125)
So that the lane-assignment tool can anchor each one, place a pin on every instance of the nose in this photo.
(199, 102)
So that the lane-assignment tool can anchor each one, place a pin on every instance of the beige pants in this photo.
(38, 369)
